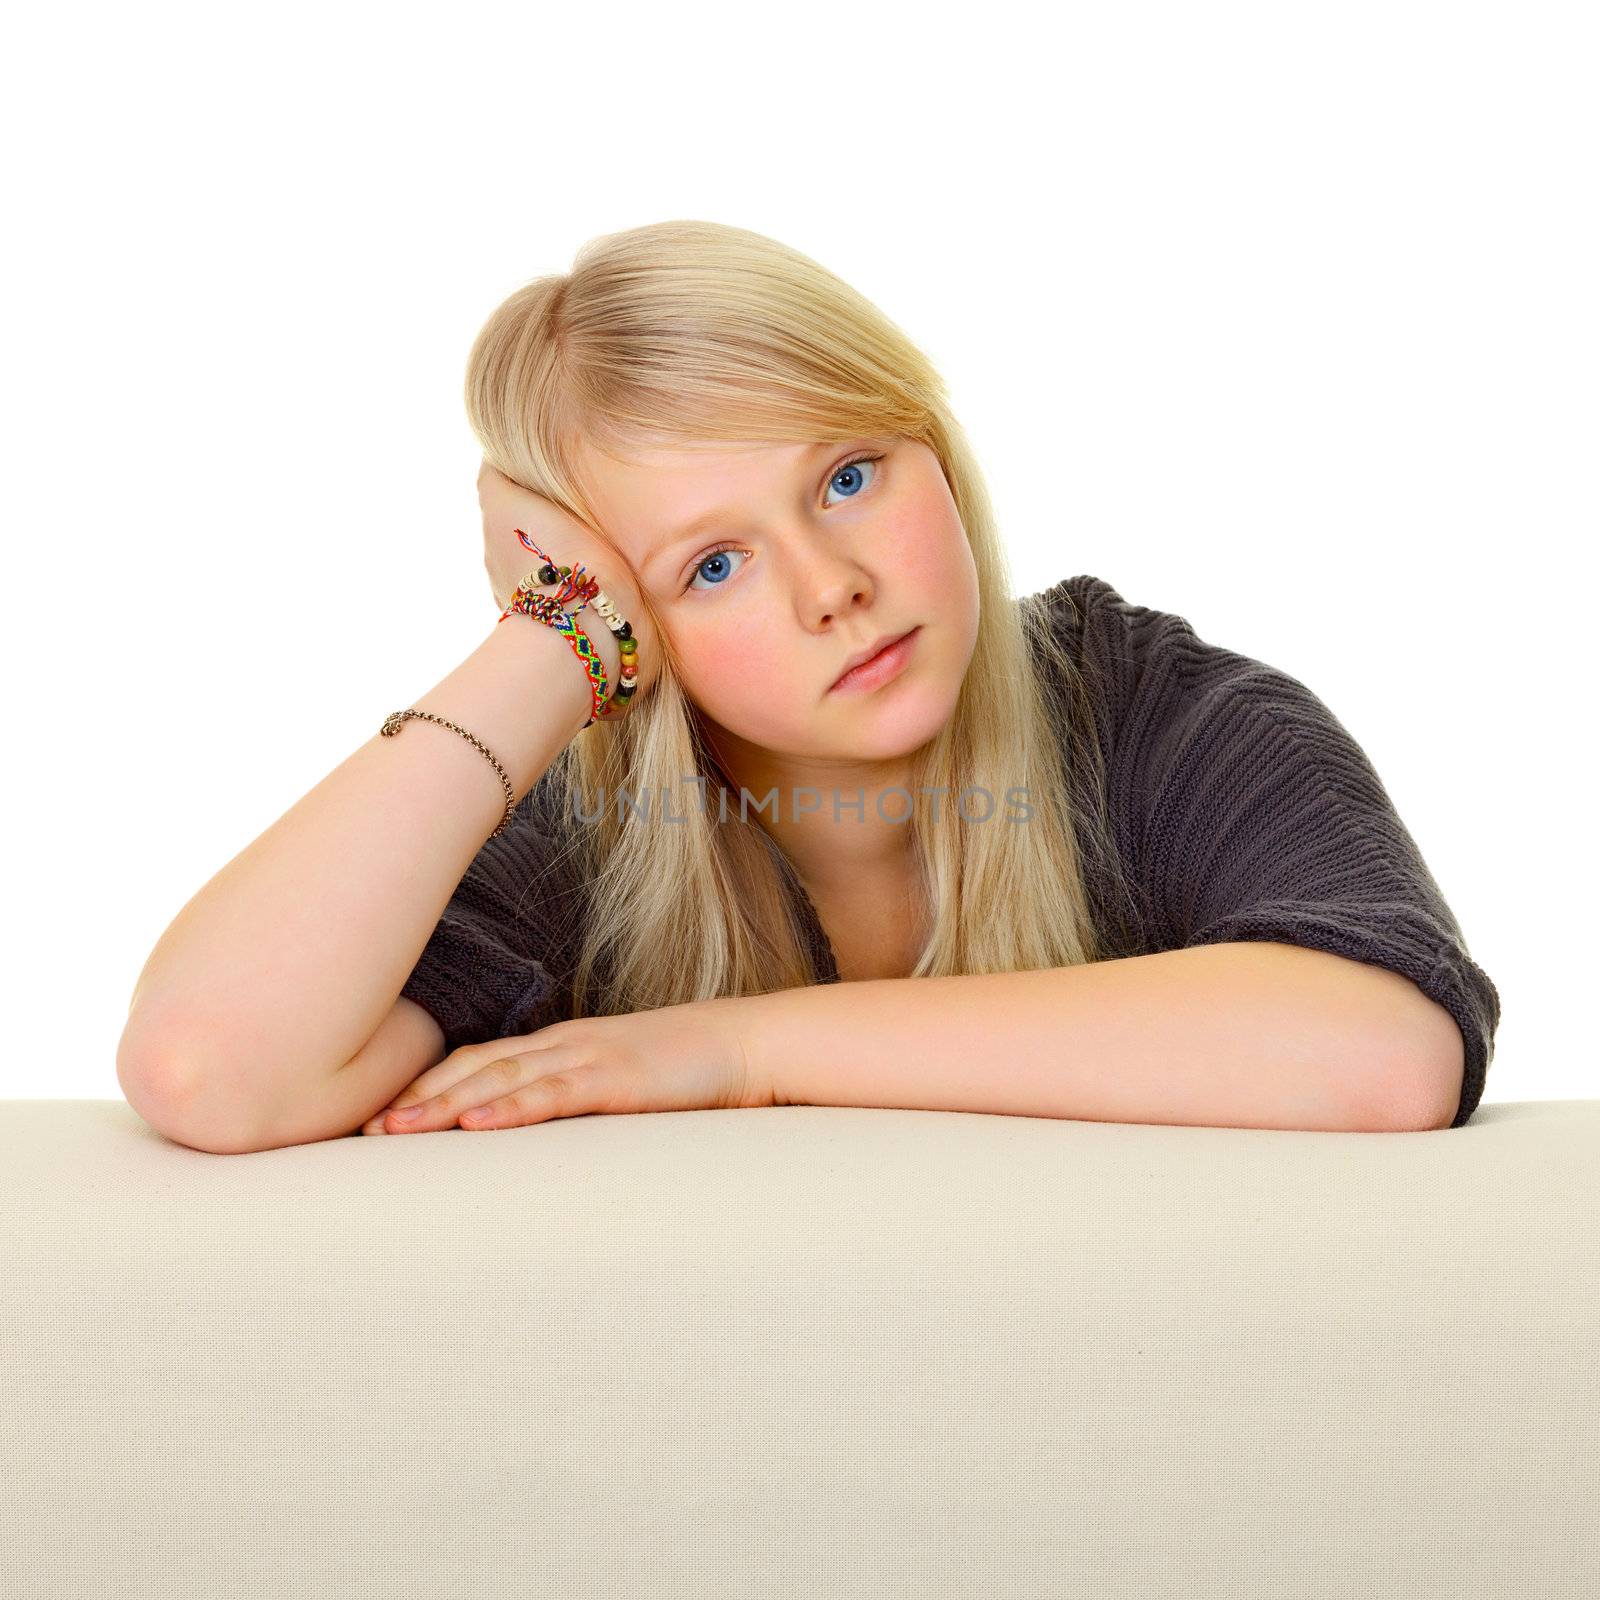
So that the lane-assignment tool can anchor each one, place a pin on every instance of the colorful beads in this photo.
(576, 585)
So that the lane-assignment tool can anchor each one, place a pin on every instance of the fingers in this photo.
(476, 1075)
(535, 1101)
(495, 1087)
(459, 1064)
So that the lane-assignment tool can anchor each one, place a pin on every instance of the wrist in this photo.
(543, 670)
(751, 1023)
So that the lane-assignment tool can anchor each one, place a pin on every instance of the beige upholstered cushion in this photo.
(805, 1351)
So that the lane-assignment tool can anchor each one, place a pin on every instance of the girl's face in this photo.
(773, 566)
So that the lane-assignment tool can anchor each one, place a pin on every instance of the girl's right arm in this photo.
(286, 967)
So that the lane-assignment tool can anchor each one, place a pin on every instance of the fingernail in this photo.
(410, 1114)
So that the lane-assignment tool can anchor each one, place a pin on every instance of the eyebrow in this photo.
(720, 516)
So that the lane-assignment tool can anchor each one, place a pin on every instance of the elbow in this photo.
(169, 1099)
(1437, 1071)
(1415, 1062)
(1416, 1092)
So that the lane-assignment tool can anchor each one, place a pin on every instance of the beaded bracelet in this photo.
(574, 585)
(555, 611)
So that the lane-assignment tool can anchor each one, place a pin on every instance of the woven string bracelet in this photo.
(552, 610)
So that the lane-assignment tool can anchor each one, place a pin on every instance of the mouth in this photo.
(882, 662)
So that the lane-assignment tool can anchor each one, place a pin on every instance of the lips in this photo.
(866, 655)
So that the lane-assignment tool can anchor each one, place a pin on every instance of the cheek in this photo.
(927, 569)
(739, 676)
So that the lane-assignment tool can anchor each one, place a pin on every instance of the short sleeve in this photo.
(499, 960)
(1252, 813)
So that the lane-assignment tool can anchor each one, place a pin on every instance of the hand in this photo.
(679, 1058)
(507, 506)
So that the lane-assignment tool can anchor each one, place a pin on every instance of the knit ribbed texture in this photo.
(1243, 809)
(1240, 806)
(495, 964)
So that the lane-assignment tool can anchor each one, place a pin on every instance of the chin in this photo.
(885, 732)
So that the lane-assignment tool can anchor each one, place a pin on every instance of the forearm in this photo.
(283, 965)
(1246, 1035)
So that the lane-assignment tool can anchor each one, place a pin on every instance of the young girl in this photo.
(859, 828)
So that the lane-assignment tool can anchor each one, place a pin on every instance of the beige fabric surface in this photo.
(804, 1351)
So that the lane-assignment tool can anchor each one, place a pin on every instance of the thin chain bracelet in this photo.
(392, 725)
(574, 584)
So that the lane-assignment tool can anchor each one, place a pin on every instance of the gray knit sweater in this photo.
(1240, 807)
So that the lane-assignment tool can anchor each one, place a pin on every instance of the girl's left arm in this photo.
(1253, 1034)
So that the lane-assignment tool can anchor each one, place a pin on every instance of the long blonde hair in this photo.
(686, 332)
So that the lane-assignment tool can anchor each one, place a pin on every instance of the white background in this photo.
(1279, 317)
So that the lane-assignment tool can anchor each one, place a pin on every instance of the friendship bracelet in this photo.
(573, 584)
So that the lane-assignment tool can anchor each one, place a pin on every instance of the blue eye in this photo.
(719, 555)
(853, 467)
(848, 470)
